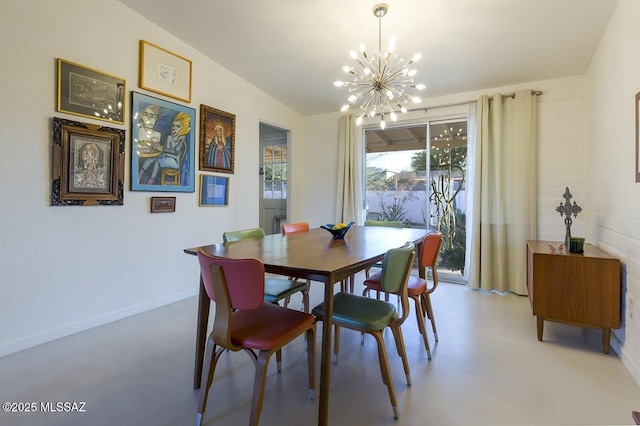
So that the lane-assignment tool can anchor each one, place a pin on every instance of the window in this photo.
(274, 168)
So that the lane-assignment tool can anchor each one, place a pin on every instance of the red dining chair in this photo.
(244, 321)
(373, 316)
(418, 288)
(276, 289)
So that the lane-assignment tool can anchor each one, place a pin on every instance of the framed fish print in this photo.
(162, 145)
(217, 140)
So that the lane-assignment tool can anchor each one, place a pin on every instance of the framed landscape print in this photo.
(88, 164)
(214, 191)
(162, 145)
(217, 140)
(164, 72)
(90, 93)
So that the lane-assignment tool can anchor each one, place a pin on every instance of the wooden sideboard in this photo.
(580, 289)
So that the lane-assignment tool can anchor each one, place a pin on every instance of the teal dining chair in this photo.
(275, 289)
(388, 224)
(418, 288)
(373, 316)
(245, 321)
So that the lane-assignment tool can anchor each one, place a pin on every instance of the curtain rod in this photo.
(508, 95)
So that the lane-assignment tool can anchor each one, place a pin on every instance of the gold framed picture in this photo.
(90, 93)
(88, 164)
(164, 72)
(217, 140)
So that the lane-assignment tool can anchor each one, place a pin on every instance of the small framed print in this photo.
(90, 93)
(88, 164)
(164, 72)
(163, 204)
(214, 190)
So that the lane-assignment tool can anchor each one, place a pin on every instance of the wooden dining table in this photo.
(312, 255)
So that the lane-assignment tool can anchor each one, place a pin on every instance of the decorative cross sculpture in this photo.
(567, 209)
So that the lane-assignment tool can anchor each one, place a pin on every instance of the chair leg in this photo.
(428, 309)
(305, 298)
(311, 361)
(210, 360)
(386, 371)
(258, 386)
(279, 360)
(397, 336)
(422, 323)
(336, 343)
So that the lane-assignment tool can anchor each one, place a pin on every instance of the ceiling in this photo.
(295, 49)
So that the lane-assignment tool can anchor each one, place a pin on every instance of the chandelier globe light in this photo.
(381, 83)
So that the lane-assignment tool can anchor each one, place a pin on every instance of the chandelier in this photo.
(380, 82)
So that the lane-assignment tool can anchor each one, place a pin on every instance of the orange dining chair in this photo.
(373, 316)
(275, 289)
(418, 288)
(244, 321)
(288, 228)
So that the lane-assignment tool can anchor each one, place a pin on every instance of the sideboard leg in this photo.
(606, 337)
(540, 322)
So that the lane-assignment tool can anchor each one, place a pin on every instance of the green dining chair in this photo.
(275, 289)
(418, 288)
(373, 316)
(387, 223)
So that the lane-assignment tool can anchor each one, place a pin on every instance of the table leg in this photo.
(606, 338)
(325, 362)
(204, 303)
(540, 323)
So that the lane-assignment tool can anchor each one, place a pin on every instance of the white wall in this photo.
(612, 197)
(64, 269)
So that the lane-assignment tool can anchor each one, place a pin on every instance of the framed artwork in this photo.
(162, 145)
(88, 164)
(217, 140)
(163, 204)
(164, 72)
(214, 190)
(638, 137)
(90, 93)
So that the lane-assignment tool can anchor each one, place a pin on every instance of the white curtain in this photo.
(350, 157)
(501, 190)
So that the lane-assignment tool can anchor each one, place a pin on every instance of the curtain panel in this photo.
(501, 204)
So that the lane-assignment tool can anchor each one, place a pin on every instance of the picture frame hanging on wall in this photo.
(88, 164)
(164, 72)
(214, 190)
(217, 140)
(163, 204)
(90, 93)
(162, 145)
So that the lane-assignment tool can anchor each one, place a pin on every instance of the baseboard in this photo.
(58, 333)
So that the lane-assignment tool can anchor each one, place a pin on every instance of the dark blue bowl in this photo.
(338, 234)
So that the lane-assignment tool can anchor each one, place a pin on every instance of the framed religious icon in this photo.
(217, 140)
(164, 72)
(88, 164)
(90, 93)
(162, 145)
(214, 191)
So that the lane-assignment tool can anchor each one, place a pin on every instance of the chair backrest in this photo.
(243, 234)
(387, 223)
(241, 280)
(287, 228)
(430, 249)
(396, 267)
